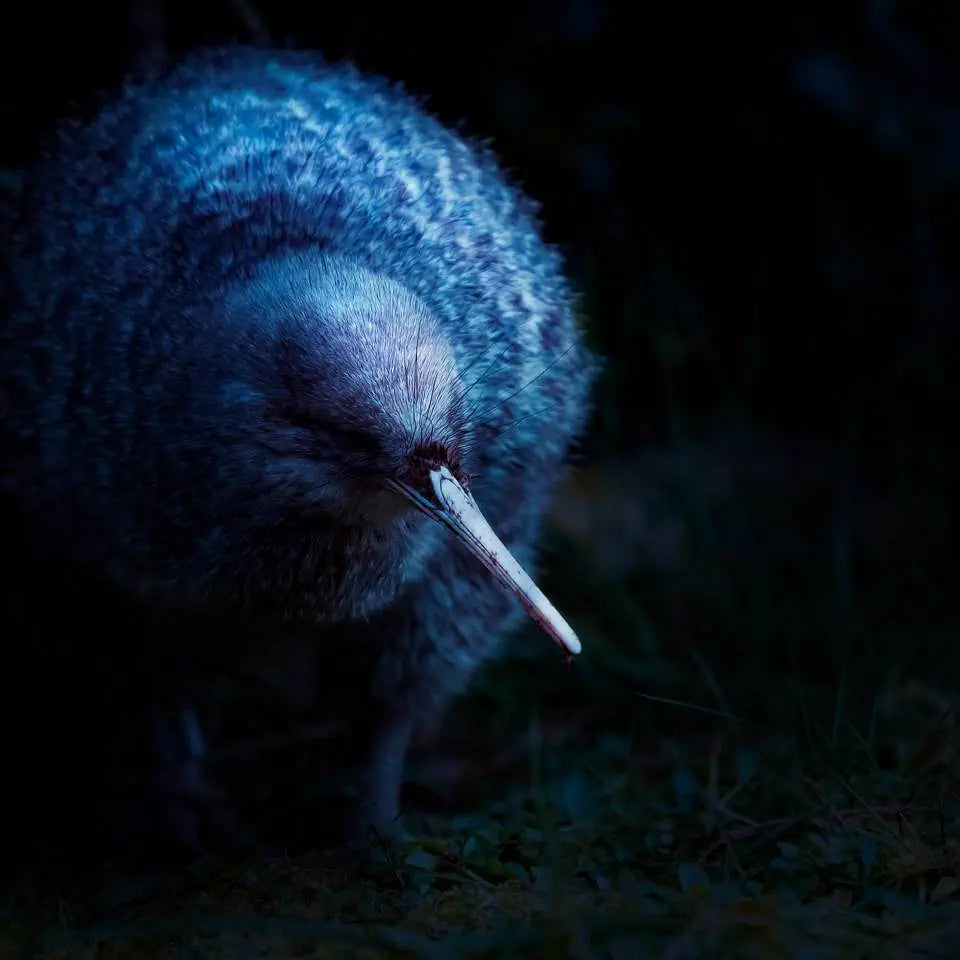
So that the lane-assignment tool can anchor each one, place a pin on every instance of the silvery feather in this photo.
(269, 329)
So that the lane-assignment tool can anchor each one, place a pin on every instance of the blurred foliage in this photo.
(756, 754)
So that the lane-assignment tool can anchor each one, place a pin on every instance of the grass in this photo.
(737, 843)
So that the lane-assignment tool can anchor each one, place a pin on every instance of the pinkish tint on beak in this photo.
(450, 504)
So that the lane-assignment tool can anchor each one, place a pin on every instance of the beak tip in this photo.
(452, 505)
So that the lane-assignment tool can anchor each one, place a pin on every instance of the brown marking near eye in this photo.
(430, 455)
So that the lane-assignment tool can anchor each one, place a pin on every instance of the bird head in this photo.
(365, 418)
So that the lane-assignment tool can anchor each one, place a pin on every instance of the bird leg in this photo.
(384, 776)
(182, 807)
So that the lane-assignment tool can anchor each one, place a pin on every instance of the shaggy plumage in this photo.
(242, 294)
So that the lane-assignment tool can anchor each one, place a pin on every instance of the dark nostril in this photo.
(432, 451)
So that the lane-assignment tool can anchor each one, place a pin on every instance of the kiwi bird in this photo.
(277, 341)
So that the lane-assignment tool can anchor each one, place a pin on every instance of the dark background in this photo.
(760, 208)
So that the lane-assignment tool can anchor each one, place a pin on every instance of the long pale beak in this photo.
(450, 504)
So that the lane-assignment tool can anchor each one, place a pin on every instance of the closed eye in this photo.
(348, 437)
(355, 439)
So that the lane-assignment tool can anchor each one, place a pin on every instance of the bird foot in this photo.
(181, 814)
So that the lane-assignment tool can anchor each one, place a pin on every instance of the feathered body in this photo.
(243, 289)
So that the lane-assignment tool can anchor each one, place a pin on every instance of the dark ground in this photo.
(756, 755)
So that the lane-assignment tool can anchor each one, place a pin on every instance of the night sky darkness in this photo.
(760, 210)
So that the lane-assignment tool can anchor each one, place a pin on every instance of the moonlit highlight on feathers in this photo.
(248, 286)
